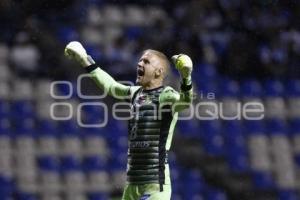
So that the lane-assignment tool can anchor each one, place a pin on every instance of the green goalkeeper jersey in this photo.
(151, 127)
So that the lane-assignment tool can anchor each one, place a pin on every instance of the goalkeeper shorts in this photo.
(147, 192)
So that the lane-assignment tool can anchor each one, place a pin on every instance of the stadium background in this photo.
(242, 51)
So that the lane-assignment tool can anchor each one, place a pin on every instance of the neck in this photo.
(152, 86)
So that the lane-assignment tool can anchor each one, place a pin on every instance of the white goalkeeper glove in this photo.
(75, 51)
(184, 65)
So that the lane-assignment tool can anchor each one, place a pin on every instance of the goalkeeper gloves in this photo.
(184, 65)
(75, 51)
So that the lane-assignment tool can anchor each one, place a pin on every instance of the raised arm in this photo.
(74, 50)
(183, 99)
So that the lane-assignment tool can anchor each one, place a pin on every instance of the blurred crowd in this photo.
(241, 38)
(236, 46)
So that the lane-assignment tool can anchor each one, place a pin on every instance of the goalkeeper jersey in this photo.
(151, 126)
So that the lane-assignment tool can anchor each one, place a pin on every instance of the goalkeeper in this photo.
(155, 110)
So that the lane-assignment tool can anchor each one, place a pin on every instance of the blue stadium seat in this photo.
(94, 163)
(93, 119)
(72, 175)
(46, 127)
(292, 88)
(118, 159)
(263, 180)
(5, 127)
(97, 177)
(294, 131)
(254, 127)
(228, 88)
(176, 183)
(212, 139)
(116, 165)
(236, 147)
(50, 180)
(193, 183)
(251, 88)
(93, 110)
(115, 129)
(7, 187)
(294, 126)
(27, 127)
(206, 88)
(233, 134)
(297, 159)
(48, 163)
(293, 100)
(94, 2)
(68, 128)
(175, 171)
(238, 159)
(65, 89)
(26, 196)
(94, 51)
(93, 114)
(273, 88)
(22, 108)
(5, 108)
(47, 138)
(92, 132)
(122, 142)
(119, 144)
(66, 34)
(188, 128)
(288, 195)
(193, 195)
(214, 194)
(276, 127)
(98, 196)
(5, 196)
(70, 163)
(176, 195)
(274, 102)
(133, 32)
(206, 71)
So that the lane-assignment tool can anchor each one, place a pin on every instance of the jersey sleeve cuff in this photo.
(186, 84)
(91, 67)
(185, 87)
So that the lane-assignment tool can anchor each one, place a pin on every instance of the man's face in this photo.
(147, 66)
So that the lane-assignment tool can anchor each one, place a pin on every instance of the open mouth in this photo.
(140, 72)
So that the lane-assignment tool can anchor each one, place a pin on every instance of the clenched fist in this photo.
(75, 51)
(183, 64)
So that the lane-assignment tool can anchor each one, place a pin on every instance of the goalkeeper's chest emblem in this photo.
(143, 99)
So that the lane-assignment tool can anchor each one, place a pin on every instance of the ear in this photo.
(158, 72)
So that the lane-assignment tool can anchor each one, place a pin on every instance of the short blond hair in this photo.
(162, 57)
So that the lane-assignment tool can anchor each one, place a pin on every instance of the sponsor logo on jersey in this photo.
(139, 144)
